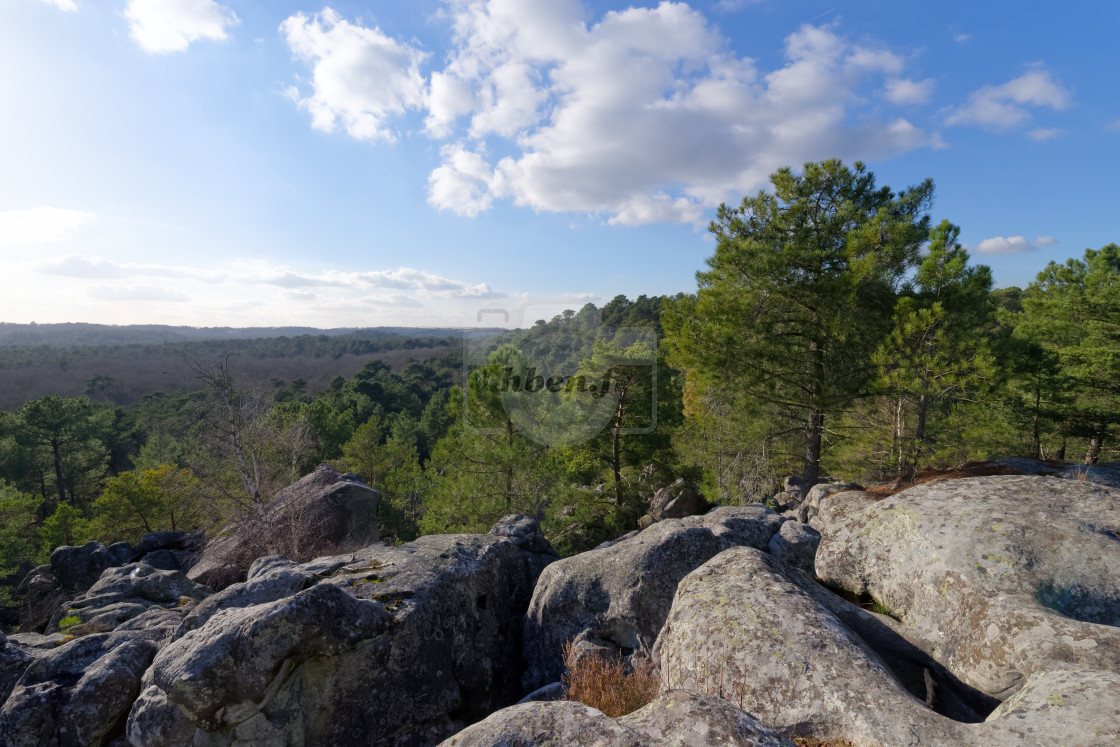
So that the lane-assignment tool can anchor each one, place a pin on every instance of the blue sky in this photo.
(375, 163)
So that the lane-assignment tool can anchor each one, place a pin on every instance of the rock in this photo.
(740, 628)
(78, 568)
(677, 501)
(41, 594)
(78, 693)
(1001, 578)
(324, 513)
(784, 501)
(127, 592)
(795, 544)
(387, 645)
(645, 522)
(622, 592)
(122, 553)
(617, 540)
(674, 718)
(551, 691)
(525, 532)
(836, 507)
(811, 506)
(155, 541)
(1060, 707)
(1103, 473)
(13, 663)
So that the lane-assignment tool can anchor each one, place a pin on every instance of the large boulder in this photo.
(324, 513)
(395, 645)
(762, 635)
(78, 694)
(675, 718)
(13, 662)
(677, 501)
(621, 593)
(999, 578)
(127, 592)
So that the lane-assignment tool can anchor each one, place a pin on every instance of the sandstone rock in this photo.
(387, 645)
(811, 506)
(78, 568)
(127, 592)
(795, 544)
(1071, 708)
(77, 694)
(675, 718)
(741, 629)
(326, 512)
(622, 592)
(677, 501)
(1001, 577)
(13, 662)
(525, 532)
(836, 507)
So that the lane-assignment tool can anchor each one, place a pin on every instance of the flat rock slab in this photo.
(1001, 577)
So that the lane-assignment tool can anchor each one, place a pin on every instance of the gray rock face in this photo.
(756, 632)
(622, 593)
(324, 513)
(795, 544)
(677, 501)
(524, 532)
(741, 629)
(77, 694)
(811, 506)
(388, 645)
(13, 662)
(675, 718)
(1001, 578)
(127, 592)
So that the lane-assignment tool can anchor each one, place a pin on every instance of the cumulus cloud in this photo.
(1005, 106)
(79, 266)
(360, 77)
(1046, 241)
(907, 91)
(68, 6)
(1005, 245)
(161, 26)
(639, 115)
(408, 278)
(41, 225)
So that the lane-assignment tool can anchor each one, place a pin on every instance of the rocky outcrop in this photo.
(999, 578)
(324, 513)
(621, 593)
(124, 593)
(675, 718)
(755, 632)
(79, 693)
(811, 505)
(677, 501)
(387, 645)
(73, 570)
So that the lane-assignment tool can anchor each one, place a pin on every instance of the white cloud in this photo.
(41, 225)
(137, 293)
(962, 38)
(1046, 241)
(68, 6)
(360, 77)
(641, 115)
(161, 26)
(906, 91)
(1041, 134)
(1113, 126)
(1004, 107)
(1005, 245)
(79, 266)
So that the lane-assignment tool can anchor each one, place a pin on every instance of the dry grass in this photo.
(969, 469)
(615, 688)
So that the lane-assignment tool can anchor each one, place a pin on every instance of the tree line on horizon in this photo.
(838, 331)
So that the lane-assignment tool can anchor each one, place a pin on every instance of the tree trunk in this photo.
(1094, 452)
(814, 427)
(58, 471)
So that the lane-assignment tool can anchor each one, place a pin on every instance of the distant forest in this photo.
(119, 365)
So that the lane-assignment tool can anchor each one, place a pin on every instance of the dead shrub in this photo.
(614, 687)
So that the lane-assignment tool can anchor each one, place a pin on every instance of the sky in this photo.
(455, 162)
